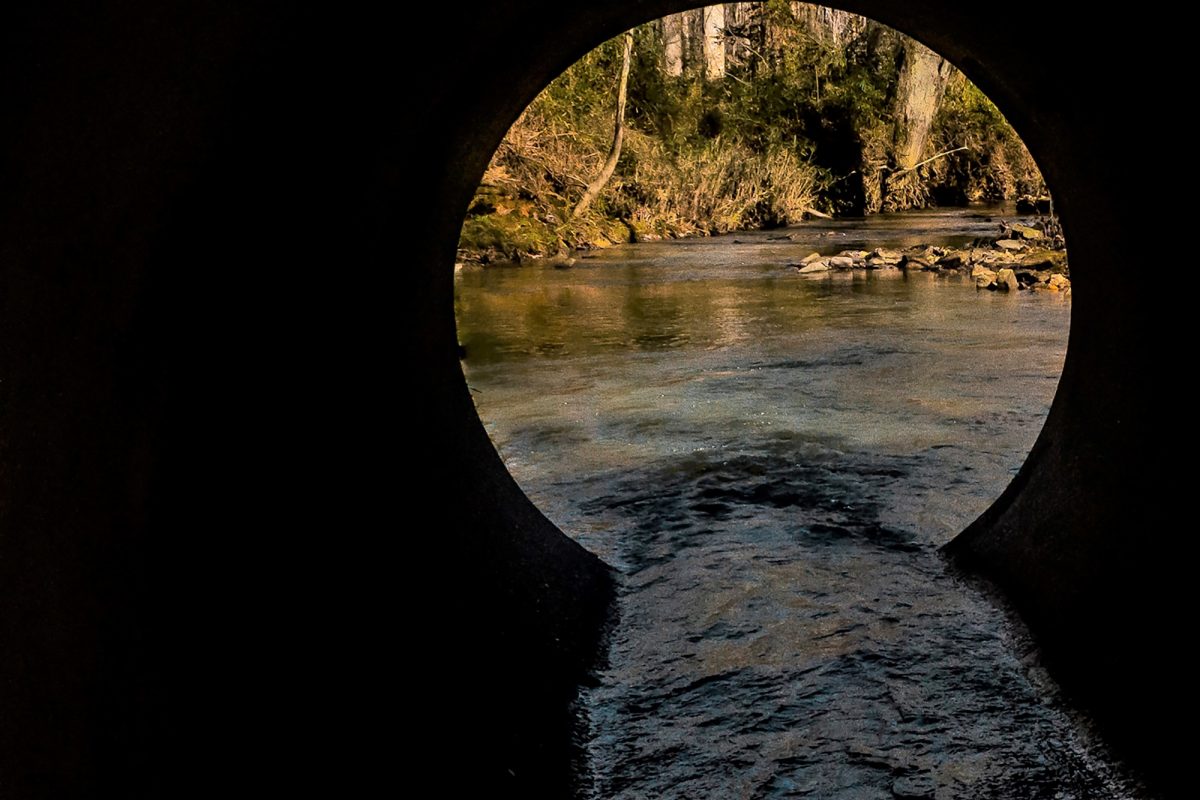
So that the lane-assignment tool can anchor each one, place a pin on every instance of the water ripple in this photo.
(772, 464)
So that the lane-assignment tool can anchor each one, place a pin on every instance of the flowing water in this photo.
(771, 461)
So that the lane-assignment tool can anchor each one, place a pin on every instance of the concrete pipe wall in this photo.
(253, 535)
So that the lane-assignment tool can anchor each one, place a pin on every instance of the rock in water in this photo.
(984, 277)
(950, 261)
(814, 266)
(1009, 244)
(810, 258)
(1006, 279)
(840, 262)
(1028, 277)
(1058, 282)
(977, 255)
(917, 262)
(1026, 232)
(880, 258)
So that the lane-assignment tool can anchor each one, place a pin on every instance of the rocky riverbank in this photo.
(1027, 255)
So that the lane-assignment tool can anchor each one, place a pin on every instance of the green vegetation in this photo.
(740, 116)
(995, 166)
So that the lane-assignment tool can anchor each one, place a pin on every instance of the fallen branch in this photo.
(926, 161)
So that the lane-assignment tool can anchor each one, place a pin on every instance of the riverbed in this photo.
(772, 461)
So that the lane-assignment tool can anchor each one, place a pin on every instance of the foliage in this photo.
(802, 120)
(719, 186)
(996, 164)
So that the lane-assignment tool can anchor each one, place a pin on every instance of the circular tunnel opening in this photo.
(202, 219)
(806, 330)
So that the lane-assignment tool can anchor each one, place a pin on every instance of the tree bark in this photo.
(672, 32)
(735, 17)
(829, 26)
(614, 152)
(714, 42)
(923, 77)
(693, 38)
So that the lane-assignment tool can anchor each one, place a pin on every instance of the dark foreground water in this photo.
(772, 461)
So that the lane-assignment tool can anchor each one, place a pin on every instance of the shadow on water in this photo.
(772, 463)
(783, 635)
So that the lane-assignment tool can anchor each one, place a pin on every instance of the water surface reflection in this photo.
(771, 461)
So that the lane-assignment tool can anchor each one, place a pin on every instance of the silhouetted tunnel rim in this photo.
(632, 14)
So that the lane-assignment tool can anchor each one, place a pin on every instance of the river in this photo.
(771, 461)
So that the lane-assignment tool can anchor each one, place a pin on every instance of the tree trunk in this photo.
(693, 38)
(829, 26)
(919, 90)
(614, 152)
(735, 19)
(923, 78)
(714, 42)
(672, 32)
(743, 28)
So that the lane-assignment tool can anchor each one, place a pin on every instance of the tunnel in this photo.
(253, 536)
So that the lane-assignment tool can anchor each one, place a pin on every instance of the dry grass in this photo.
(721, 186)
(718, 186)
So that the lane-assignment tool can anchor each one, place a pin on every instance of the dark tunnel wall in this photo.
(251, 530)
